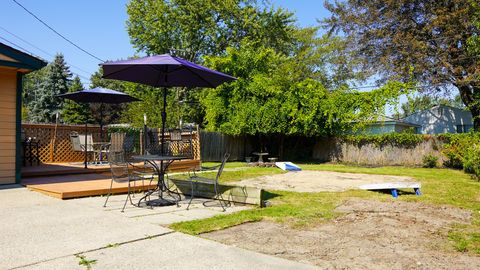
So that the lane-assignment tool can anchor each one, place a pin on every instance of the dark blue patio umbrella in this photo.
(164, 71)
(101, 96)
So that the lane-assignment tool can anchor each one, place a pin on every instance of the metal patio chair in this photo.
(123, 172)
(78, 143)
(195, 179)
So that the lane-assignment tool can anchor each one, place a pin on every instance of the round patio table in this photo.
(260, 156)
(160, 165)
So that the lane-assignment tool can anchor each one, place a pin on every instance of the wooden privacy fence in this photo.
(55, 145)
(215, 145)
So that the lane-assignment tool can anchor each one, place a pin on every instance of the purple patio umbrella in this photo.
(164, 71)
(101, 96)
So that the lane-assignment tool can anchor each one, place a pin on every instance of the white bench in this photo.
(393, 187)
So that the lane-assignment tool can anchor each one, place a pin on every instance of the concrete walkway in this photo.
(40, 232)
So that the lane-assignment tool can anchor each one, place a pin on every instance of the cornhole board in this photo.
(287, 166)
(393, 187)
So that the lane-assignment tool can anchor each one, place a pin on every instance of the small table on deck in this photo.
(30, 152)
(160, 165)
(100, 148)
(260, 156)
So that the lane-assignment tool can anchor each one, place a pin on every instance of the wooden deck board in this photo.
(75, 186)
(52, 169)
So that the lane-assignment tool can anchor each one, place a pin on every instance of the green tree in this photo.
(437, 39)
(196, 28)
(73, 112)
(31, 84)
(44, 104)
(275, 94)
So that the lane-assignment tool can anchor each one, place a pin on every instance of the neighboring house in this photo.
(442, 119)
(13, 65)
(385, 124)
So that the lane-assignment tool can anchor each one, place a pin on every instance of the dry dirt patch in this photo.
(315, 181)
(371, 235)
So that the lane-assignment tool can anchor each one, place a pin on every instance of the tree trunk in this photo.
(469, 95)
(475, 110)
(281, 146)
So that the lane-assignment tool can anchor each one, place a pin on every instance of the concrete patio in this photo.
(40, 232)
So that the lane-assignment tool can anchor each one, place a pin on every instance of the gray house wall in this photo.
(441, 119)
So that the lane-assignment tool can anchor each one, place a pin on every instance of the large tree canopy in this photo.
(205, 27)
(437, 39)
(279, 94)
(193, 30)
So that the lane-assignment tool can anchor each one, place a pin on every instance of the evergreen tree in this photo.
(31, 84)
(46, 104)
(73, 112)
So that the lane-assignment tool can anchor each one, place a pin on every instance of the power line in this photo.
(29, 52)
(56, 32)
(18, 46)
(45, 52)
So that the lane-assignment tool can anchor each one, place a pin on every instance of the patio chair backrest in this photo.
(116, 141)
(89, 142)
(77, 147)
(220, 169)
(118, 166)
(176, 135)
(128, 143)
(154, 145)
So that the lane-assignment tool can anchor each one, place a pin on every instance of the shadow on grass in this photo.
(269, 195)
(388, 191)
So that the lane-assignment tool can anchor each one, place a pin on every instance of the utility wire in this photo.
(45, 52)
(29, 52)
(56, 32)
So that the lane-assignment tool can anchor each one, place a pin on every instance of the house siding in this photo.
(441, 119)
(8, 98)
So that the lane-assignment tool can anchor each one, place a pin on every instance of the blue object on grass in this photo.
(394, 193)
(287, 166)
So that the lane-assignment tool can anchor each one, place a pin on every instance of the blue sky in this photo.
(96, 26)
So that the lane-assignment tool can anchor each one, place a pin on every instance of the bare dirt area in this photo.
(316, 181)
(370, 235)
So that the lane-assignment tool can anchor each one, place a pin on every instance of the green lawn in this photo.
(439, 186)
(235, 171)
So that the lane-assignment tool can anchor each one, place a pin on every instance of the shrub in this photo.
(471, 160)
(463, 151)
(430, 161)
(407, 140)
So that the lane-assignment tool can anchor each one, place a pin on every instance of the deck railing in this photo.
(55, 145)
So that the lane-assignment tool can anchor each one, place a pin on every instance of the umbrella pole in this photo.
(85, 141)
(164, 120)
(101, 122)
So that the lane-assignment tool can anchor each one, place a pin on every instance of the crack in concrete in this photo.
(95, 249)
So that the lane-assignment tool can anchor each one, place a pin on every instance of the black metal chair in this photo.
(123, 172)
(195, 179)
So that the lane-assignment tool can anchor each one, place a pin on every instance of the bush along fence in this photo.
(380, 150)
(460, 151)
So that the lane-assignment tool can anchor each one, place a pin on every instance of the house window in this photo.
(464, 128)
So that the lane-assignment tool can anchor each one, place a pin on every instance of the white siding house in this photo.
(442, 119)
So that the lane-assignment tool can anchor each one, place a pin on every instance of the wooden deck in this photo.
(71, 180)
(76, 186)
(52, 169)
